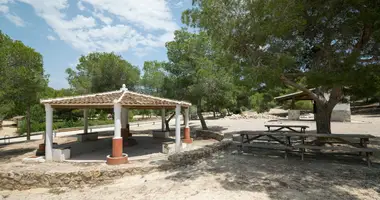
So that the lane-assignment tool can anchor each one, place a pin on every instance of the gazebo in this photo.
(120, 100)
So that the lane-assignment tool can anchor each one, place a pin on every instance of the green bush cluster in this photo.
(303, 105)
(36, 126)
(223, 112)
(261, 102)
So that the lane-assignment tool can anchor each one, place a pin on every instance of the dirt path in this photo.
(229, 176)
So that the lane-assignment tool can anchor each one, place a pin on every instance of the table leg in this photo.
(368, 159)
(286, 151)
(241, 142)
(302, 149)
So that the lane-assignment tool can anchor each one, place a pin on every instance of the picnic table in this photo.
(290, 127)
(291, 141)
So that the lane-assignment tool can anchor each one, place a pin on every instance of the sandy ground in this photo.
(229, 176)
(260, 175)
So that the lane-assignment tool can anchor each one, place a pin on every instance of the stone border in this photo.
(29, 180)
(190, 157)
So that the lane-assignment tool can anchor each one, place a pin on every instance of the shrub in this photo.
(223, 112)
(236, 110)
(303, 105)
(243, 108)
(261, 102)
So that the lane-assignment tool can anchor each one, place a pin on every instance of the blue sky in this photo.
(63, 30)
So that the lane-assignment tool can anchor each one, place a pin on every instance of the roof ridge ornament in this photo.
(124, 88)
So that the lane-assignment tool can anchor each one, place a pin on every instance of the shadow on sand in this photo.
(318, 177)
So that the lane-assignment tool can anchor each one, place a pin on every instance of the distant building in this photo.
(340, 113)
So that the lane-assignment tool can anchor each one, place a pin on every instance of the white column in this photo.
(186, 118)
(163, 119)
(124, 117)
(85, 119)
(117, 118)
(49, 133)
(177, 128)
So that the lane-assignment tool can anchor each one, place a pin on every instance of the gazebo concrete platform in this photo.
(147, 148)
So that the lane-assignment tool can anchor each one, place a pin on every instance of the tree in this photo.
(325, 42)
(101, 72)
(22, 77)
(154, 77)
(193, 71)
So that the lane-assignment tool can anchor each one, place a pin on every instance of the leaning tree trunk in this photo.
(199, 113)
(28, 129)
(167, 122)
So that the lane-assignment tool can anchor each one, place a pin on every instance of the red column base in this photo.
(117, 160)
(117, 156)
(187, 139)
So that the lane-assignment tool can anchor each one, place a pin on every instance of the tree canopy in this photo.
(101, 72)
(326, 42)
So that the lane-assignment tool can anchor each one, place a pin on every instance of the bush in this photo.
(223, 112)
(303, 105)
(261, 102)
(243, 108)
(40, 126)
(236, 111)
(102, 115)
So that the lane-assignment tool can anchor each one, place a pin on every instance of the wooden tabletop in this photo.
(286, 125)
(333, 135)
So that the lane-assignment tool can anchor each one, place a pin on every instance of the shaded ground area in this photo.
(228, 176)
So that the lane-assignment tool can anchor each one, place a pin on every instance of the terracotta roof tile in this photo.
(125, 97)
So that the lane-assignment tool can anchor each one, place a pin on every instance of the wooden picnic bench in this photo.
(275, 140)
(290, 127)
(290, 141)
(353, 143)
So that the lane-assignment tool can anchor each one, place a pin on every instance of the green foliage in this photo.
(243, 108)
(261, 102)
(223, 112)
(154, 77)
(36, 127)
(22, 77)
(303, 105)
(198, 71)
(102, 72)
(102, 115)
(291, 41)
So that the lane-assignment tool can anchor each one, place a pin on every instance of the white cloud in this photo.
(150, 14)
(50, 37)
(120, 25)
(4, 9)
(80, 6)
(15, 19)
(104, 19)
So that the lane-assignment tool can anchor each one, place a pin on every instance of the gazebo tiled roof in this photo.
(123, 96)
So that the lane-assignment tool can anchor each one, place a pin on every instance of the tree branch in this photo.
(303, 89)
(336, 95)
(364, 38)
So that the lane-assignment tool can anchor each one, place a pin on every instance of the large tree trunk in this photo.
(323, 118)
(28, 129)
(199, 113)
(324, 105)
